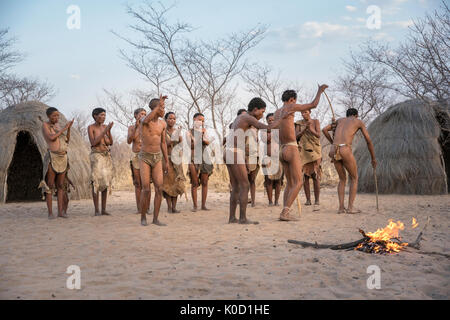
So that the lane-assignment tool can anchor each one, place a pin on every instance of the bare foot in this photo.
(104, 213)
(51, 217)
(253, 205)
(308, 203)
(342, 211)
(144, 222)
(63, 215)
(160, 224)
(316, 207)
(169, 210)
(205, 209)
(194, 209)
(286, 216)
(270, 204)
(233, 220)
(276, 204)
(97, 214)
(246, 221)
(353, 211)
(175, 211)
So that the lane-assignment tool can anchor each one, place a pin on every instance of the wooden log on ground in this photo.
(341, 246)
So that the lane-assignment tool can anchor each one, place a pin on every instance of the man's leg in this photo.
(293, 171)
(50, 180)
(204, 178)
(241, 176)
(157, 177)
(252, 181)
(341, 185)
(137, 187)
(277, 191)
(349, 163)
(145, 192)
(269, 188)
(104, 198)
(60, 193)
(194, 185)
(234, 194)
(307, 191)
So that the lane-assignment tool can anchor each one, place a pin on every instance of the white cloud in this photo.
(75, 76)
(350, 8)
(314, 29)
(401, 24)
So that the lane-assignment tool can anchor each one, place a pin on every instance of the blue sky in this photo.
(305, 40)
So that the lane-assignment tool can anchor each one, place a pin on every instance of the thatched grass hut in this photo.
(22, 150)
(408, 150)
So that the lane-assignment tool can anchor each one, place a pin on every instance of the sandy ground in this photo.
(199, 256)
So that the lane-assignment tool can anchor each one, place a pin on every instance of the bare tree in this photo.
(419, 67)
(204, 69)
(14, 90)
(8, 56)
(262, 83)
(362, 85)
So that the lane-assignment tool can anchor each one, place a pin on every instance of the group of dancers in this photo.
(291, 149)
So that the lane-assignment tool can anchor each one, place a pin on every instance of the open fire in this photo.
(386, 240)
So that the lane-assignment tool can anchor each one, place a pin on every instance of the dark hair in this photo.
(153, 103)
(197, 115)
(288, 94)
(168, 114)
(352, 112)
(256, 103)
(97, 111)
(240, 111)
(138, 110)
(50, 110)
(269, 115)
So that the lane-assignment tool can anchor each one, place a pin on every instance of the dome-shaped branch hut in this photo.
(22, 151)
(408, 150)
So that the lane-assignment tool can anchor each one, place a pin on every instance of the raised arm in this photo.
(369, 144)
(154, 114)
(311, 105)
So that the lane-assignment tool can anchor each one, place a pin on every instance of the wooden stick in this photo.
(341, 246)
(329, 101)
(376, 185)
(299, 206)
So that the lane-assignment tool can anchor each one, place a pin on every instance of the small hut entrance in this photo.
(25, 170)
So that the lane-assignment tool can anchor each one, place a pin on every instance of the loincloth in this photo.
(201, 168)
(152, 159)
(292, 143)
(101, 170)
(174, 180)
(335, 152)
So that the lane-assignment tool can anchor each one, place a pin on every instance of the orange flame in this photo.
(381, 240)
(414, 224)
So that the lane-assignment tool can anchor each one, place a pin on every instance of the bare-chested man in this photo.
(134, 138)
(101, 162)
(342, 155)
(234, 157)
(55, 162)
(289, 155)
(152, 164)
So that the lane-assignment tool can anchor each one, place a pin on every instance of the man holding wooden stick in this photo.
(289, 155)
(342, 156)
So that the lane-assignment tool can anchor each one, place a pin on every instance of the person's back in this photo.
(345, 130)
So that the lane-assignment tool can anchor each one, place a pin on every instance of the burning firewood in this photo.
(383, 241)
